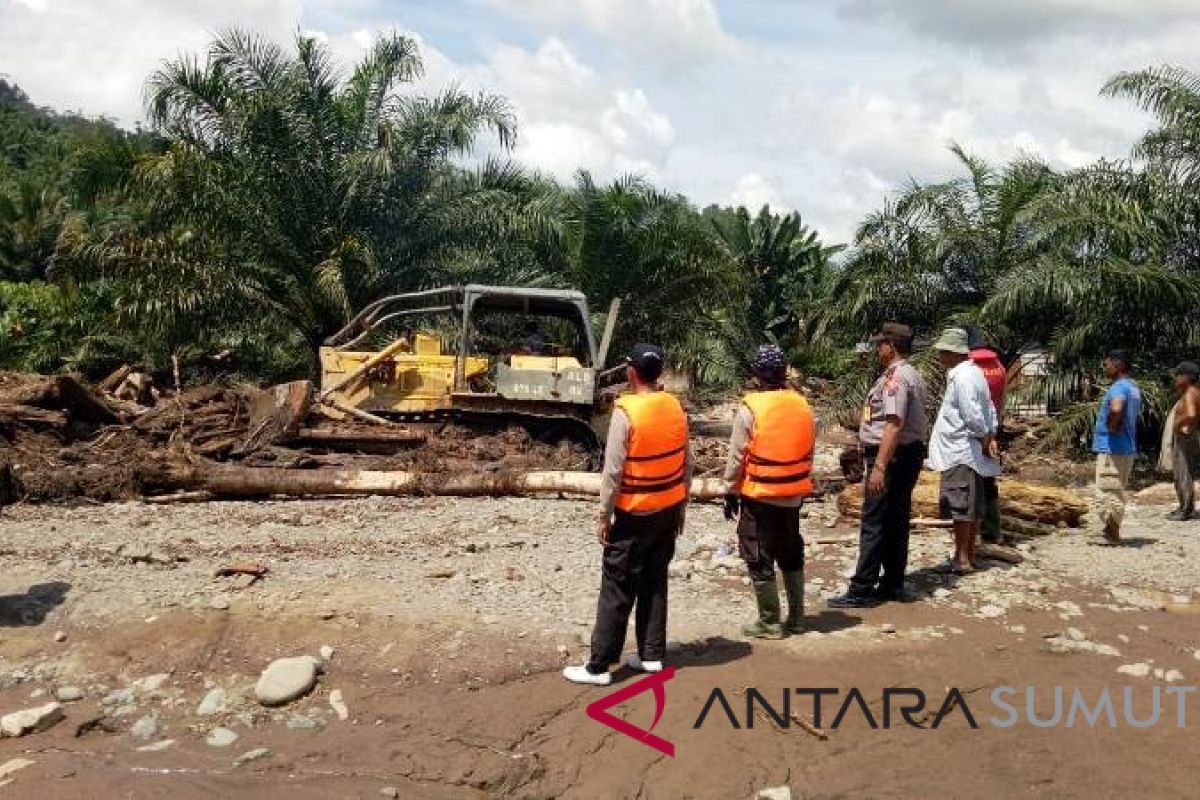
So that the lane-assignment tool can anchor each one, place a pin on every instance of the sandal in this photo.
(949, 567)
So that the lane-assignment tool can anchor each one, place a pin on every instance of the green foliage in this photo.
(277, 194)
(780, 268)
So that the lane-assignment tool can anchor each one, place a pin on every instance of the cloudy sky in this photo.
(823, 106)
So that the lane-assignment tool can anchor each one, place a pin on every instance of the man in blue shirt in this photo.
(1115, 443)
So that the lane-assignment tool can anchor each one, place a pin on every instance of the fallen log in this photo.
(27, 390)
(719, 429)
(1025, 528)
(351, 438)
(83, 403)
(114, 379)
(998, 552)
(178, 497)
(10, 413)
(276, 413)
(1045, 505)
(234, 481)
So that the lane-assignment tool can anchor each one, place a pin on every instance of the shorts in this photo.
(962, 497)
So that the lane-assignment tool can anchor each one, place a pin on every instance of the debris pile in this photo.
(1024, 507)
(63, 439)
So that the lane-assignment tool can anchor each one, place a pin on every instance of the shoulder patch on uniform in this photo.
(891, 384)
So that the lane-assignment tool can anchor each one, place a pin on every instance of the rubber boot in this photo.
(767, 625)
(793, 587)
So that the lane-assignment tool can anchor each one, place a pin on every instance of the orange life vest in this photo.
(778, 460)
(656, 453)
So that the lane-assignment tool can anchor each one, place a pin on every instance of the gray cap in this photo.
(953, 340)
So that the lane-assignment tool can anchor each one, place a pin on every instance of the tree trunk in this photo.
(1024, 502)
(233, 481)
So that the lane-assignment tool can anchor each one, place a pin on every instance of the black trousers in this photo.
(990, 529)
(634, 574)
(769, 535)
(883, 537)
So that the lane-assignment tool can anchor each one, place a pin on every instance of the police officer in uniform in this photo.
(643, 497)
(892, 433)
(768, 475)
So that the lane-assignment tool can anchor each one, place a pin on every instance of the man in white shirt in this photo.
(962, 446)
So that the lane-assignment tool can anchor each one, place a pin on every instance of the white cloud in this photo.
(754, 191)
(668, 28)
(1010, 21)
(571, 117)
(95, 57)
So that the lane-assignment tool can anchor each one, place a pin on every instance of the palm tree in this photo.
(782, 266)
(651, 249)
(295, 193)
(935, 253)
(30, 217)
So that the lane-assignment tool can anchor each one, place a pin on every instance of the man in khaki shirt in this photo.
(892, 433)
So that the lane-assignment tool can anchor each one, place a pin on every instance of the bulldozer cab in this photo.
(491, 349)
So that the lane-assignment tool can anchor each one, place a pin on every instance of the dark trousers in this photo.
(883, 537)
(1186, 459)
(634, 574)
(989, 531)
(769, 535)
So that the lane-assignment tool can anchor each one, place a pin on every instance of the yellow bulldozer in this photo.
(475, 354)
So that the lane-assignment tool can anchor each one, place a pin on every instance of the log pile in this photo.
(1024, 507)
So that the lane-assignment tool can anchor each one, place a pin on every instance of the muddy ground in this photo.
(449, 621)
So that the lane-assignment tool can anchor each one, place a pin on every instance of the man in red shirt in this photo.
(997, 380)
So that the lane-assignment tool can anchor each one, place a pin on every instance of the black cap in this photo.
(975, 339)
(894, 332)
(1189, 370)
(1122, 355)
(647, 360)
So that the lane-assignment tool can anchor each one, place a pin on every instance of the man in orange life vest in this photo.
(643, 496)
(768, 474)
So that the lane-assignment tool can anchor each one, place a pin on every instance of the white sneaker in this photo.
(580, 674)
(636, 663)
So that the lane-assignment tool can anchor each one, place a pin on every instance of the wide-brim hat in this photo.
(953, 340)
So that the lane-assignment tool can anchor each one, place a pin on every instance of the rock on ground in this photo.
(775, 793)
(221, 737)
(251, 755)
(285, 679)
(338, 704)
(152, 683)
(157, 746)
(31, 720)
(145, 728)
(213, 703)
(1139, 670)
(69, 694)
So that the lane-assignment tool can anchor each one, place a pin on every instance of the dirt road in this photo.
(445, 623)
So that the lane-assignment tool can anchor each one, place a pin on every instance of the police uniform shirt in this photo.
(900, 392)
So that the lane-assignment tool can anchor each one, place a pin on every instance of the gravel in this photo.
(1158, 554)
